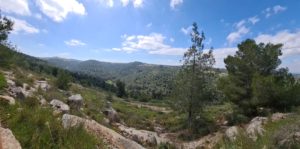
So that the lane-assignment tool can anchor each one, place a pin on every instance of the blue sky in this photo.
(152, 31)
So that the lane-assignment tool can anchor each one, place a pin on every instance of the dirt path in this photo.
(151, 107)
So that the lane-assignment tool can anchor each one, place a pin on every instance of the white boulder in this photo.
(59, 105)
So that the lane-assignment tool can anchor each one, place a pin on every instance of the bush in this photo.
(2, 82)
(63, 80)
(237, 118)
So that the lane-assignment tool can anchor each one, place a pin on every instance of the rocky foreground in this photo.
(122, 137)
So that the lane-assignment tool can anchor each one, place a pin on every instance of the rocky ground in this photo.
(116, 133)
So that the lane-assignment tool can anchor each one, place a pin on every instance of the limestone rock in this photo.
(255, 127)
(141, 136)
(207, 142)
(112, 115)
(232, 133)
(279, 116)
(8, 140)
(9, 99)
(75, 101)
(99, 130)
(59, 105)
(42, 84)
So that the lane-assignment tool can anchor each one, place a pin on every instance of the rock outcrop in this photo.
(141, 136)
(112, 137)
(8, 140)
(206, 142)
(279, 116)
(255, 127)
(9, 99)
(232, 133)
(111, 113)
(60, 106)
(42, 84)
(75, 101)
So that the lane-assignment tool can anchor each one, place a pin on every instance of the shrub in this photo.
(2, 82)
(63, 80)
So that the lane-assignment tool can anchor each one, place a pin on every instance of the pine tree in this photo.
(194, 81)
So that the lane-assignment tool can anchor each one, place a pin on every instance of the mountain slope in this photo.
(142, 80)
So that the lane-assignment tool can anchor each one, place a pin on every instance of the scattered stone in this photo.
(232, 133)
(75, 101)
(111, 113)
(43, 102)
(10, 82)
(16, 92)
(256, 127)
(43, 85)
(279, 116)
(141, 136)
(109, 135)
(59, 105)
(9, 99)
(206, 142)
(8, 140)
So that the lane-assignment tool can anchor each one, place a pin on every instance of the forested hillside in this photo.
(143, 81)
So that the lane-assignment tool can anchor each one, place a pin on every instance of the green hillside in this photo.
(142, 80)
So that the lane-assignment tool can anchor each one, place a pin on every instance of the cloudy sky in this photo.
(152, 31)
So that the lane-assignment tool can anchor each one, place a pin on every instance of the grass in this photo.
(36, 127)
(144, 118)
(273, 131)
(94, 101)
(2, 82)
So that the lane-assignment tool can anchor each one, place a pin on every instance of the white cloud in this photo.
(149, 25)
(174, 3)
(236, 35)
(59, 9)
(172, 39)
(153, 44)
(278, 9)
(74, 42)
(125, 2)
(137, 3)
(274, 10)
(21, 26)
(290, 41)
(19, 7)
(253, 20)
(220, 54)
(110, 3)
(186, 30)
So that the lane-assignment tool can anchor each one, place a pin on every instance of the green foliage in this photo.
(6, 26)
(2, 82)
(6, 56)
(253, 81)
(63, 80)
(277, 135)
(142, 80)
(121, 92)
(194, 83)
(35, 127)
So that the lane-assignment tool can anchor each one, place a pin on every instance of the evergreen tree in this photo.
(194, 81)
(253, 80)
(6, 26)
(121, 92)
